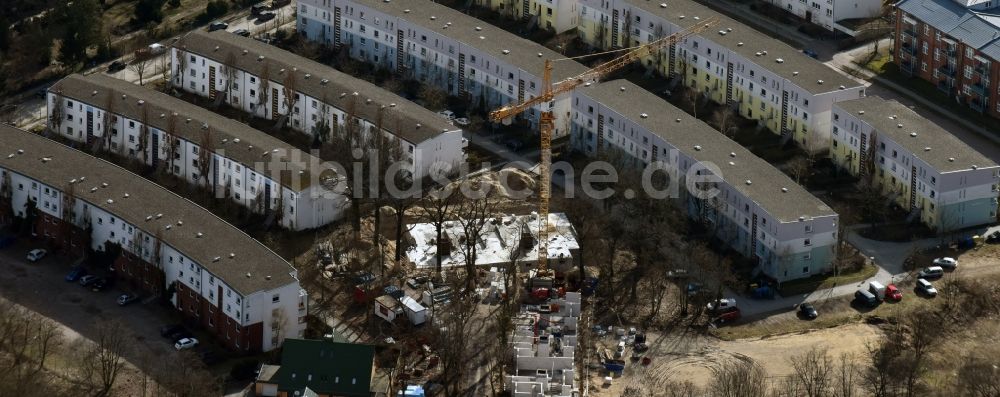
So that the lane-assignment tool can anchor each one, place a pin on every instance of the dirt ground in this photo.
(691, 358)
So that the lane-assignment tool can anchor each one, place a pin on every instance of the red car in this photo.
(893, 293)
(728, 315)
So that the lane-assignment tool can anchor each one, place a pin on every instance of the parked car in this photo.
(257, 9)
(461, 121)
(807, 310)
(87, 280)
(946, 262)
(863, 297)
(810, 53)
(893, 293)
(36, 254)
(994, 237)
(276, 4)
(925, 287)
(167, 330)
(75, 273)
(266, 16)
(102, 284)
(242, 32)
(157, 49)
(721, 304)
(728, 314)
(217, 25)
(116, 66)
(931, 272)
(412, 283)
(125, 299)
(186, 343)
(447, 114)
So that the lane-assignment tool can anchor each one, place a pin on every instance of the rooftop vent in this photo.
(20, 151)
(842, 87)
(110, 201)
(479, 28)
(899, 126)
(539, 55)
(764, 52)
(245, 52)
(158, 216)
(216, 48)
(267, 277)
(757, 54)
(216, 259)
(307, 76)
(141, 102)
(732, 154)
(795, 73)
(125, 195)
(975, 166)
(622, 88)
(643, 115)
(248, 274)
(682, 17)
(236, 140)
(697, 147)
(779, 60)
(434, 18)
(740, 44)
(406, 11)
(232, 255)
(260, 58)
(93, 189)
(722, 32)
(167, 227)
(951, 159)
(749, 182)
(677, 120)
(324, 82)
(927, 149)
(913, 134)
(149, 218)
(587, 84)
(392, 105)
(784, 190)
(180, 223)
(663, 5)
(505, 52)
(92, 93)
(819, 81)
(198, 235)
(419, 125)
(861, 112)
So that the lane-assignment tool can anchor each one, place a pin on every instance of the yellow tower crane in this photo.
(546, 118)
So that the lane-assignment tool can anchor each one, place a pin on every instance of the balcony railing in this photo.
(945, 85)
(977, 105)
(982, 69)
(979, 88)
(947, 70)
(910, 48)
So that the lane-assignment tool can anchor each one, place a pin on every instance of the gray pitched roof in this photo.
(409, 120)
(774, 191)
(500, 44)
(267, 270)
(253, 149)
(946, 153)
(796, 67)
(980, 30)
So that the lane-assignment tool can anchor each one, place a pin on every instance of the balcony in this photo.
(906, 66)
(947, 70)
(945, 85)
(977, 105)
(910, 48)
(982, 69)
(980, 88)
(910, 31)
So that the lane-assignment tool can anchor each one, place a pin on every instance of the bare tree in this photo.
(473, 215)
(813, 369)
(111, 345)
(738, 378)
(845, 382)
(978, 375)
(437, 209)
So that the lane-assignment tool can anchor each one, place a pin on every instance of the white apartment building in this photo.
(245, 165)
(760, 77)
(758, 210)
(557, 16)
(941, 181)
(274, 84)
(240, 291)
(828, 13)
(434, 44)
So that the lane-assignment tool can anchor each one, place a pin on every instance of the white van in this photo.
(931, 272)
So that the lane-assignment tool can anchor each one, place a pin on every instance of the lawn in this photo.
(818, 282)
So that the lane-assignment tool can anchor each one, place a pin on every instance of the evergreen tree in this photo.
(82, 24)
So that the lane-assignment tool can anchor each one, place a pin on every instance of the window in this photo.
(275, 298)
(807, 242)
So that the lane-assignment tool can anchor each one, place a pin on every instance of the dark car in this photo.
(125, 299)
(810, 53)
(266, 16)
(276, 4)
(242, 32)
(257, 9)
(806, 310)
(75, 273)
(728, 315)
(116, 66)
(167, 330)
(102, 284)
(217, 25)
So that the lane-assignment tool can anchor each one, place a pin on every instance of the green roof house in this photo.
(319, 368)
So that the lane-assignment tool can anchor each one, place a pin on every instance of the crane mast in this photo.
(546, 119)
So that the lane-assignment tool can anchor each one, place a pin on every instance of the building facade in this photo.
(434, 44)
(759, 77)
(939, 180)
(555, 15)
(274, 84)
(215, 275)
(229, 158)
(827, 13)
(758, 210)
(954, 45)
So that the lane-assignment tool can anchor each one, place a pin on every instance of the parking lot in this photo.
(41, 287)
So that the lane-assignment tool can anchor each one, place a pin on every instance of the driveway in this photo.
(40, 287)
